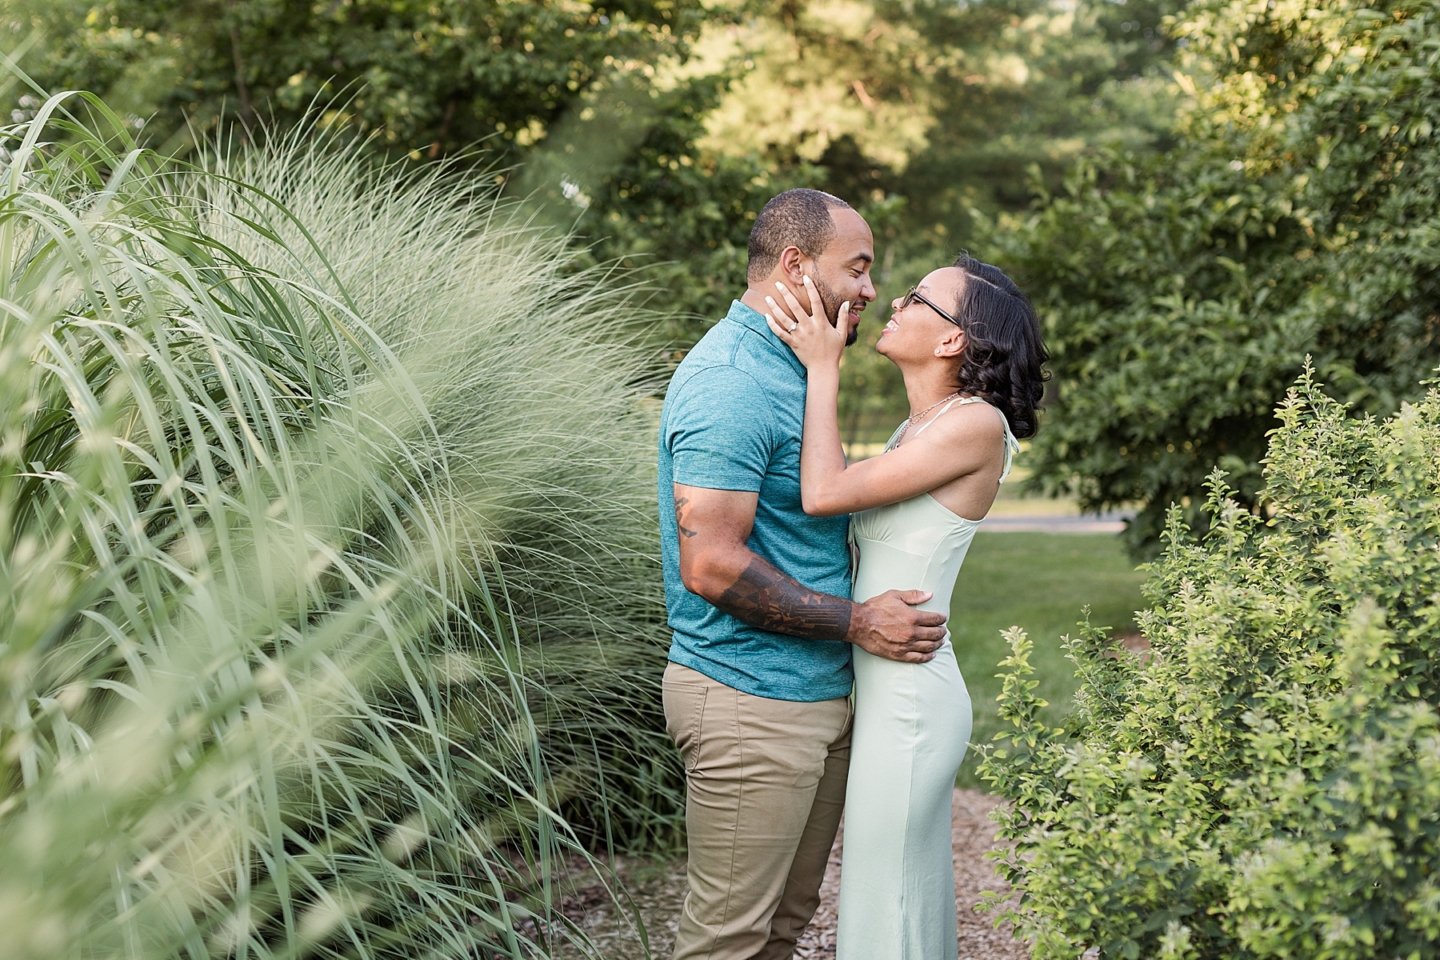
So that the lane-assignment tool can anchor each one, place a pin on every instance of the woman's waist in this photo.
(939, 676)
(872, 581)
(888, 565)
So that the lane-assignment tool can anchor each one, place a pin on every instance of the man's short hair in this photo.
(796, 218)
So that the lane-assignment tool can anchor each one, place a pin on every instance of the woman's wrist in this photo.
(824, 375)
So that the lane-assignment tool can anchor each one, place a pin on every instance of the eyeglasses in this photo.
(915, 294)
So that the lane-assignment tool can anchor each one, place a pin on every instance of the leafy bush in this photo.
(1267, 782)
(1295, 215)
(326, 554)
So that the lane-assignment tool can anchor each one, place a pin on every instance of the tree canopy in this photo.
(656, 127)
(1295, 214)
(427, 76)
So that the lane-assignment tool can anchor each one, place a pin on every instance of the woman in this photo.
(968, 343)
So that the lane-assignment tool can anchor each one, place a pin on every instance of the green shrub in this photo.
(326, 576)
(1267, 782)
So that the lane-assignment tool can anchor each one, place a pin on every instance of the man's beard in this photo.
(830, 302)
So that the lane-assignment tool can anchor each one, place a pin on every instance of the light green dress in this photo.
(912, 724)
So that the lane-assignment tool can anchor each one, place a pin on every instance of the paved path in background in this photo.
(1111, 522)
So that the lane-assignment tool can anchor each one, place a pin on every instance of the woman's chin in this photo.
(887, 350)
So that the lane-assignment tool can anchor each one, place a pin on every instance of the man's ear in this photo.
(952, 346)
(792, 267)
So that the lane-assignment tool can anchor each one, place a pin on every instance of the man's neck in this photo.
(755, 300)
(754, 295)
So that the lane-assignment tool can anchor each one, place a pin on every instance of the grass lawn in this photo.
(1039, 581)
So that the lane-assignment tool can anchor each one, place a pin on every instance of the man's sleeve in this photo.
(719, 431)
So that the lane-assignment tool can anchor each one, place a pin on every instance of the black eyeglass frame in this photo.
(915, 294)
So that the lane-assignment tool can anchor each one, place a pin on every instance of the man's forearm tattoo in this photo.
(764, 597)
(686, 532)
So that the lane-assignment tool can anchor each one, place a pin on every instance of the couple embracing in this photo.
(775, 625)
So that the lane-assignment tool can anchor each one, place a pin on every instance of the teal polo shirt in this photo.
(732, 421)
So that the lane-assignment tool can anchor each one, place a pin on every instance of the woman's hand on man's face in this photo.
(817, 340)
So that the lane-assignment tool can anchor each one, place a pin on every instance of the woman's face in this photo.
(915, 332)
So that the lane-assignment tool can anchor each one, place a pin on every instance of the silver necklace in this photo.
(916, 416)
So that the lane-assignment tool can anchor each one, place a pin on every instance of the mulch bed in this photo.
(657, 889)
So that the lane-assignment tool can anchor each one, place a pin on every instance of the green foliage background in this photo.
(658, 129)
(1040, 582)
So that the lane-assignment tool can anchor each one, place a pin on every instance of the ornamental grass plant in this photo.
(1266, 782)
(329, 611)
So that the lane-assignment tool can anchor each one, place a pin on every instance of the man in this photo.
(758, 684)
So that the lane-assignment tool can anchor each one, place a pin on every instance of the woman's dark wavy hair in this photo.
(1004, 355)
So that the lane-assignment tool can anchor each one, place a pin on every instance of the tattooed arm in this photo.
(716, 564)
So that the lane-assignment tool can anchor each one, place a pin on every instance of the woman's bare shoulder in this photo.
(968, 422)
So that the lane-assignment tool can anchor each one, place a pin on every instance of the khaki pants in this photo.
(765, 786)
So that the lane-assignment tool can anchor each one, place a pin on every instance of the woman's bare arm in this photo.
(822, 456)
(960, 443)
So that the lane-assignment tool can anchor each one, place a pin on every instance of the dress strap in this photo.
(1012, 447)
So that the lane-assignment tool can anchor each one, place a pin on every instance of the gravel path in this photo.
(658, 888)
